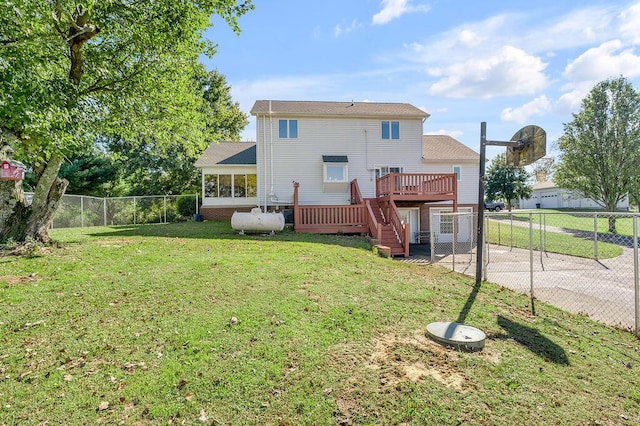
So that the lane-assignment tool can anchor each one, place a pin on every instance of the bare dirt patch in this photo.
(412, 358)
(19, 279)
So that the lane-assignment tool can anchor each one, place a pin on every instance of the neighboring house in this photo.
(350, 167)
(229, 179)
(547, 195)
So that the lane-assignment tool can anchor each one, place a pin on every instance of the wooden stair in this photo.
(389, 237)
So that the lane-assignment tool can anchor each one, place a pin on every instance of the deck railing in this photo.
(416, 184)
(401, 228)
(330, 219)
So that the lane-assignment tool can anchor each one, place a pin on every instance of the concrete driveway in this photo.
(602, 290)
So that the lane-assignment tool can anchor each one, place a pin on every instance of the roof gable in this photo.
(228, 153)
(337, 109)
(441, 148)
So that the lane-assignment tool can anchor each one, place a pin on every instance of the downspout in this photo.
(264, 167)
(271, 150)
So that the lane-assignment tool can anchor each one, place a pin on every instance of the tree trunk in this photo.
(21, 222)
(612, 218)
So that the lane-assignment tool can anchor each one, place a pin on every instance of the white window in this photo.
(385, 170)
(458, 171)
(335, 168)
(335, 172)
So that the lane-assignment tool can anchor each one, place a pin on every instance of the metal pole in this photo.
(511, 233)
(134, 209)
(432, 243)
(81, 211)
(635, 273)
(486, 251)
(165, 208)
(453, 243)
(104, 211)
(545, 232)
(540, 226)
(480, 234)
(531, 260)
(595, 235)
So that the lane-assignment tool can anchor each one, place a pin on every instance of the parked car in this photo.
(494, 206)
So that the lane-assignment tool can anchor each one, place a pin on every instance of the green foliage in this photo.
(71, 72)
(186, 205)
(600, 147)
(505, 182)
(92, 174)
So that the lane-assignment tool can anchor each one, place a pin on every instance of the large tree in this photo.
(600, 147)
(71, 71)
(148, 169)
(506, 182)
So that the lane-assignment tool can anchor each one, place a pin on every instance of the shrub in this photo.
(186, 205)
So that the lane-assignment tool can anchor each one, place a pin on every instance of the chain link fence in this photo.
(583, 262)
(77, 211)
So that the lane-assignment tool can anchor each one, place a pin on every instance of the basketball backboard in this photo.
(532, 146)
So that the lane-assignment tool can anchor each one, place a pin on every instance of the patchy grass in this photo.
(191, 323)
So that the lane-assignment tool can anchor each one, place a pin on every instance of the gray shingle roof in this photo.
(229, 153)
(439, 148)
(318, 108)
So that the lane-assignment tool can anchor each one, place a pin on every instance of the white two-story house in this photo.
(352, 167)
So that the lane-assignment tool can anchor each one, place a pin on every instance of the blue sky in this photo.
(507, 63)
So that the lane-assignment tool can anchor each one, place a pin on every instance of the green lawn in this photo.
(191, 323)
(584, 221)
(505, 230)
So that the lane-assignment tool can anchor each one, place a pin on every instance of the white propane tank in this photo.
(257, 221)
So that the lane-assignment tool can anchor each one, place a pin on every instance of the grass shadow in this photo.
(534, 341)
(219, 230)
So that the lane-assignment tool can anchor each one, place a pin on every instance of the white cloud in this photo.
(630, 23)
(537, 107)
(339, 29)
(392, 9)
(452, 133)
(509, 72)
(530, 32)
(604, 61)
(571, 101)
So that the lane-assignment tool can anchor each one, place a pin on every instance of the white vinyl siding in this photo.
(468, 183)
(300, 160)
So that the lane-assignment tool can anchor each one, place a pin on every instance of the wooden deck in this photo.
(377, 217)
(418, 187)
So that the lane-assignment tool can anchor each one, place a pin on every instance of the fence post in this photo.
(165, 209)
(82, 211)
(595, 235)
(104, 211)
(134, 210)
(485, 248)
(432, 236)
(635, 274)
(541, 232)
(453, 243)
(531, 260)
(511, 231)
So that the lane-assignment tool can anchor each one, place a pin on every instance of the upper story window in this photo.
(390, 130)
(458, 171)
(288, 129)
